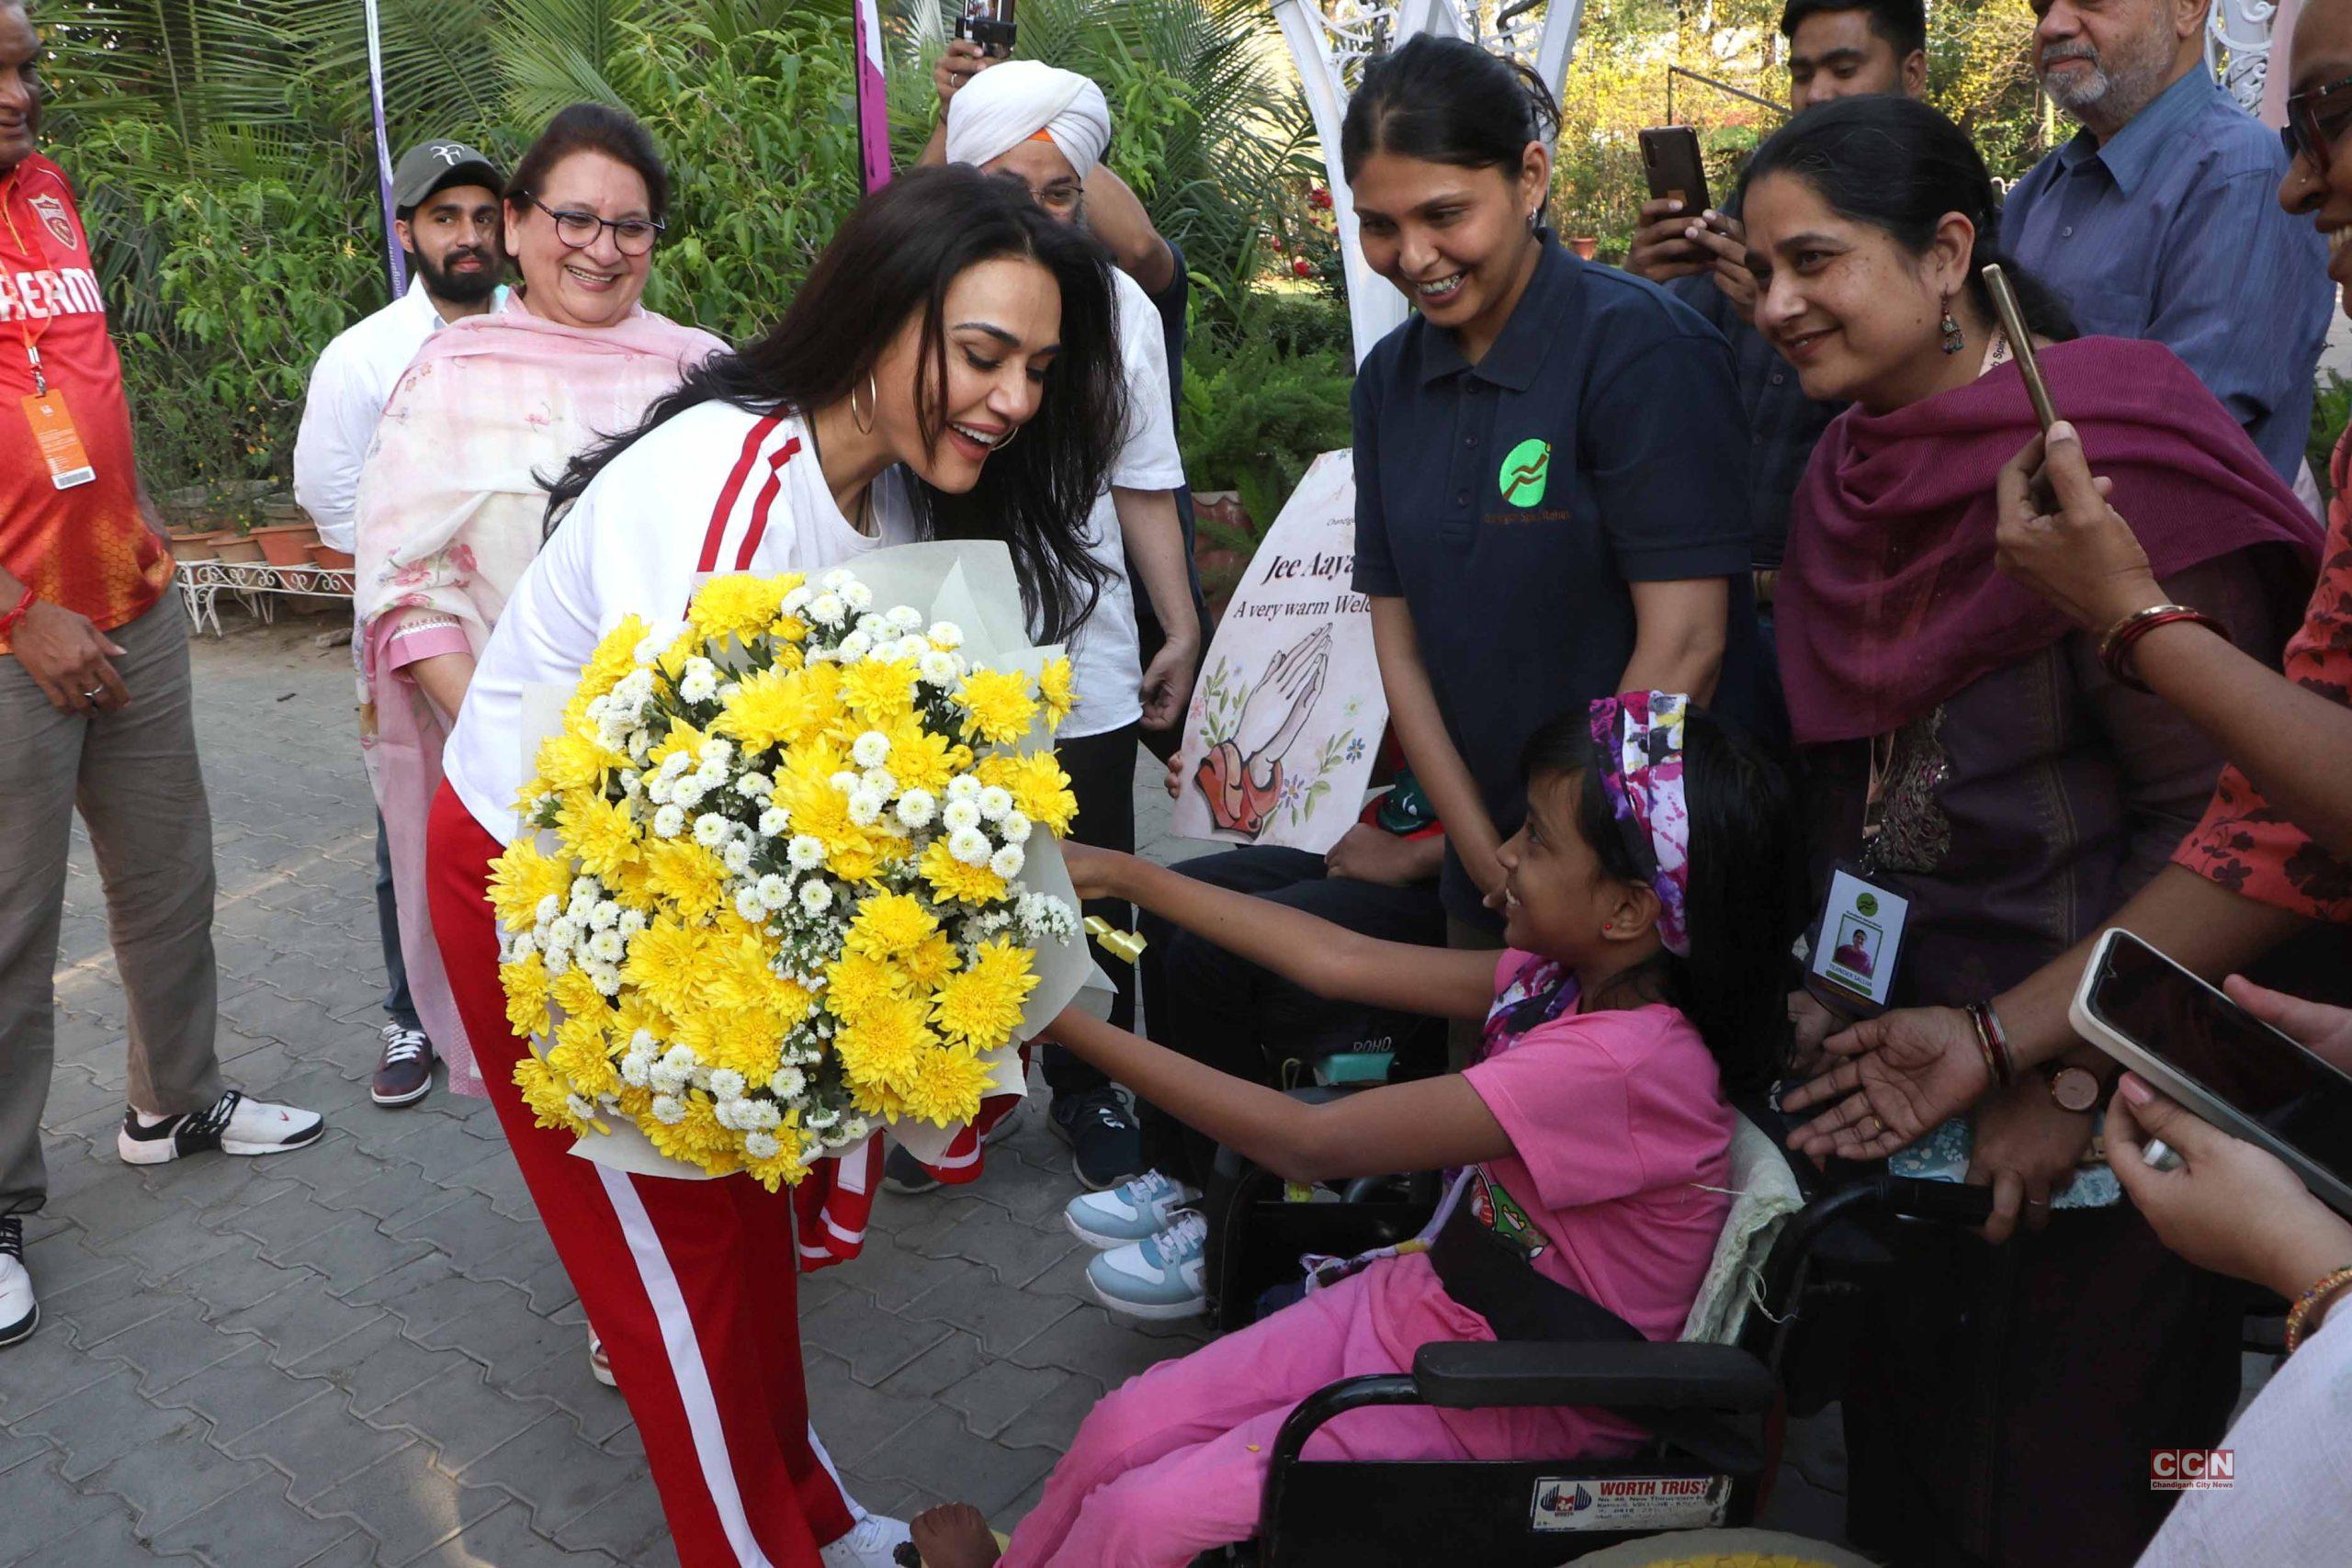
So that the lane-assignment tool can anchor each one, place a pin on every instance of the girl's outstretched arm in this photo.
(1331, 960)
(1425, 1125)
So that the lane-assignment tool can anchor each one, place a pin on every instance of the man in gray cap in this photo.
(447, 215)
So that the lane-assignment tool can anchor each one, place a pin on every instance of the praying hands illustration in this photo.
(1242, 776)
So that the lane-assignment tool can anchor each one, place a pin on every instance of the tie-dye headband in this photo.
(1639, 739)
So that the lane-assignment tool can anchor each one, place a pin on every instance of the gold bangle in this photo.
(2321, 1291)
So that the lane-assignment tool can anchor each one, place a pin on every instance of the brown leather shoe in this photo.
(404, 1076)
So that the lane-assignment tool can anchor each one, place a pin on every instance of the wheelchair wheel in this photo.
(1725, 1548)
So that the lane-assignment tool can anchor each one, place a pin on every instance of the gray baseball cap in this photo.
(429, 165)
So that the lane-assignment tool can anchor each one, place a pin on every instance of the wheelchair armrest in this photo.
(1619, 1376)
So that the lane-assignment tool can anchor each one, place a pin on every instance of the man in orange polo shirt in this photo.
(94, 710)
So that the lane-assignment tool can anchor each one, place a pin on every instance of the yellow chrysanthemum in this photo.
(1038, 787)
(699, 1140)
(854, 986)
(981, 1005)
(879, 689)
(615, 657)
(945, 1088)
(672, 662)
(520, 877)
(526, 995)
(929, 963)
(952, 879)
(1053, 686)
(685, 876)
(575, 763)
(598, 833)
(739, 605)
(580, 1055)
(782, 1169)
(997, 705)
(633, 1010)
(576, 994)
(779, 708)
(684, 739)
(789, 629)
(885, 1044)
(547, 1095)
(919, 757)
(662, 965)
(889, 924)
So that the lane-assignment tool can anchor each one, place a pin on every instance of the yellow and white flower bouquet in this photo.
(796, 873)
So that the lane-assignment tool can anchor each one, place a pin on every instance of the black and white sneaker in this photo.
(233, 1124)
(902, 1172)
(1105, 1141)
(19, 1314)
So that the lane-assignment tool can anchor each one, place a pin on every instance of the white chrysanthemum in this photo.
(905, 618)
(605, 977)
(870, 750)
(797, 600)
(726, 1083)
(876, 628)
(853, 1129)
(786, 1083)
(916, 806)
(581, 1110)
(548, 910)
(1013, 827)
(963, 787)
(607, 947)
(947, 634)
(774, 820)
(816, 896)
(562, 934)
(827, 609)
(711, 829)
(748, 905)
(670, 821)
(735, 857)
(634, 1071)
(754, 786)
(852, 648)
(805, 852)
(688, 791)
(939, 669)
(820, 1119)
(865, 806)
(1007, 861)
(912, 648)
(524, 947)
(879, 780)
(715, 753)
(961, 814)
(760, 1145)
(632, 923)
(669, 1110)
(857, 596)
(845, 781)
(995, 801)
(698, 685)
(774, 891)
(836, 579)
(969, 845)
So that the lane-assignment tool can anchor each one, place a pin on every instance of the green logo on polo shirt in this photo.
(1525, 470)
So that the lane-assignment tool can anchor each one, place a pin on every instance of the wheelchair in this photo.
(1713, 1402)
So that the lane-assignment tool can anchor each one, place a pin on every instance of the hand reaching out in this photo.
(1905, 1072)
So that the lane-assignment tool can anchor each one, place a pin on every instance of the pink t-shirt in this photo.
(1621, 1145)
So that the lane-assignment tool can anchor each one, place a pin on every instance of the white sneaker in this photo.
(19, 1314)
(233, 1124)
(1131, 1212)
(873, 1544)
(600, 1366)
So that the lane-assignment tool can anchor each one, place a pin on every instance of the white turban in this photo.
(1006, 105)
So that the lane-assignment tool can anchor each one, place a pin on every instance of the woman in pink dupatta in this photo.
(451, 505)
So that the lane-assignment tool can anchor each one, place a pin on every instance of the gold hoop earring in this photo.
(1008, 438)
(874, 403)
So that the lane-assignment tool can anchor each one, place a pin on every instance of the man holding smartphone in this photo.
(1837, 49)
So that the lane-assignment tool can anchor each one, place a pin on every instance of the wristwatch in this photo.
(2073, 1088)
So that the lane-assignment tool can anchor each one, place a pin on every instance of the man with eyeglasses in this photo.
(447, 220)
(2160, 218)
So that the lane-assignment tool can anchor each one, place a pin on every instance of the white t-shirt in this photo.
(1106, 664)
(714, 491)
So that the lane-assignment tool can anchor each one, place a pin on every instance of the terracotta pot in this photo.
(237, 549)
(199, 546)
(286, 544)
(328, 556)
(1585, 245)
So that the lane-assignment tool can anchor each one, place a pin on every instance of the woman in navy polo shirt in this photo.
(1551, 461)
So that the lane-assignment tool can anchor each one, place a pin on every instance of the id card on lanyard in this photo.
(46, 413)
(1857, 936)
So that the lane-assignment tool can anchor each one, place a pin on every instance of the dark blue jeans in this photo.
(388, 926)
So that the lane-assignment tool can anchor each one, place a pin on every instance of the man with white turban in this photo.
(1049, 129)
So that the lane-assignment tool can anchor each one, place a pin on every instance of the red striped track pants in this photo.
(690, 1284)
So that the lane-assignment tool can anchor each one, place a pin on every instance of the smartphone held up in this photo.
(989, 24)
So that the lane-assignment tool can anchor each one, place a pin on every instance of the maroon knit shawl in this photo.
(1889, 600)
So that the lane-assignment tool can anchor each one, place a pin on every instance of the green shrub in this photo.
(2330, 414)
(1254, 418)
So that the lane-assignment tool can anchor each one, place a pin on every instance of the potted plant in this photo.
(286, 535)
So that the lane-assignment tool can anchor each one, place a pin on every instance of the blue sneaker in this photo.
(1134, 1210)
(1159, 1278)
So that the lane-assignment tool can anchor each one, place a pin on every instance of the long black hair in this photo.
(1743, 894)
(1897, 164)
(895, 258)
(1445, 101)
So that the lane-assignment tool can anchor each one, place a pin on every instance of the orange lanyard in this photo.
(24, 317)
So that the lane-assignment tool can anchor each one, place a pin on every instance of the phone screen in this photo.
(2209, 1040)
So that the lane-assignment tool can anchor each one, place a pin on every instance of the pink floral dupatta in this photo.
(451, 511)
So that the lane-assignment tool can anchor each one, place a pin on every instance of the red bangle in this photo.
(8, 622)
(1993, 1042)
(2115, 647)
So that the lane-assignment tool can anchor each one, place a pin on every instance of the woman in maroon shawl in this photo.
(1962, 742)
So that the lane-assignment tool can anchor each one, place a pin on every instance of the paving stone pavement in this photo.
(365, 1352)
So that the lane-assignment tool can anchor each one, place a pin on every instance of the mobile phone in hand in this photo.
(2005, 305)
(989, 24)
(1671, 164)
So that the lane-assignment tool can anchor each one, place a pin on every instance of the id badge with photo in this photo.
(1857, 943)
(59, 443)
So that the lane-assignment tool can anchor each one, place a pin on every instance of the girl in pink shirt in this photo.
(1649, 910)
